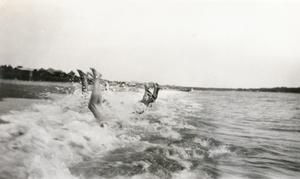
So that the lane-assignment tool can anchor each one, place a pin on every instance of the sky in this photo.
(222, 44)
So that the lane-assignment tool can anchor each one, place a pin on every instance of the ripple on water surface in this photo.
(183, 135)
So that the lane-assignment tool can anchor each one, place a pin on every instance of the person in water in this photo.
(85, 79)
(149, 97)
(96, 96)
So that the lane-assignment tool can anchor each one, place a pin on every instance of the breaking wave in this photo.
(60, 138)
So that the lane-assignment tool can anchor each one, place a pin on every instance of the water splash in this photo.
(183, 135)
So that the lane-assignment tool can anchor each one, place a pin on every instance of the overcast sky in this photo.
(193, 43)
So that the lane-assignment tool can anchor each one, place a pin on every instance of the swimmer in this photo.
(84, 82)
(96, 96)
(86, 79)
(97, 103)
(148, 96)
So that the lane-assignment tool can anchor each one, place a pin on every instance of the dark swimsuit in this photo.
(149, 99)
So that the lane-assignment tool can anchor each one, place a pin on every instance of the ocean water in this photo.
(200, 134)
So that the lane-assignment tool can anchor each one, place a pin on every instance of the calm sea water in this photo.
(183, 135)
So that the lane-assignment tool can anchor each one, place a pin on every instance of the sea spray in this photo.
(48, 139)
(182, 135)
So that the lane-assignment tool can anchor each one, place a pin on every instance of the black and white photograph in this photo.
(149, 89)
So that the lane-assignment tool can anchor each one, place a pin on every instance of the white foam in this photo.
(190, 175)
(217, 151)
(48, 138)
(203, 143)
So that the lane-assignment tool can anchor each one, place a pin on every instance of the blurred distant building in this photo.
(24, 73)
(29, 74)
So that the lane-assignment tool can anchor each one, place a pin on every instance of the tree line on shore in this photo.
(20, 73)
(27, 74)
(52, 75)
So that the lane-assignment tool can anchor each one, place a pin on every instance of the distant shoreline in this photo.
(274, 90)
(42, 83)
(51, 77)
(170, 87)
